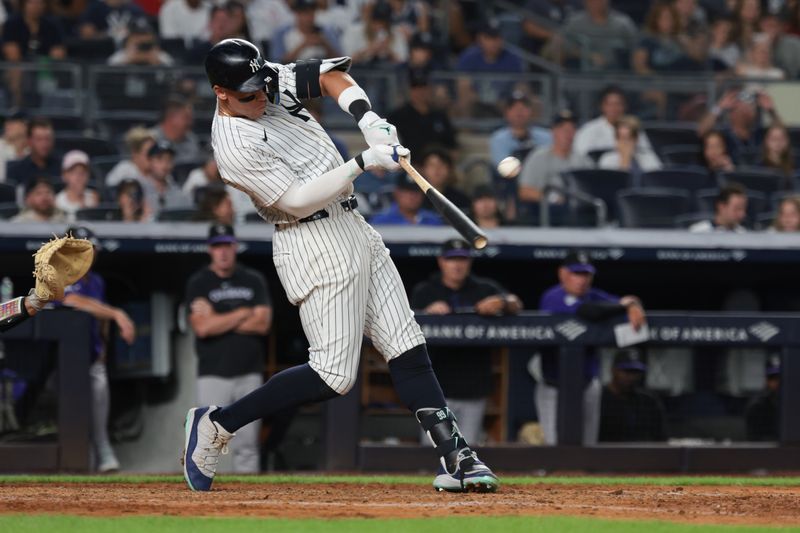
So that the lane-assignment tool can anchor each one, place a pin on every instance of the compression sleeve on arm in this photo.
(301, 200)
(12, 313)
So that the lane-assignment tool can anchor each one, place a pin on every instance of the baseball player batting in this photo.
(331, 263)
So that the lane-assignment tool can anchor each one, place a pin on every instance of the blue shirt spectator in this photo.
(407, 206)
(394, 215)
(520, 136)
(304, 39)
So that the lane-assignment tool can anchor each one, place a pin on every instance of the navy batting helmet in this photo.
(237, 65)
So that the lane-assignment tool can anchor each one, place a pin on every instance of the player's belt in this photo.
(348, 205)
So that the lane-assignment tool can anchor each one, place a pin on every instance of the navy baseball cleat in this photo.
(471, 475)
(205, 440)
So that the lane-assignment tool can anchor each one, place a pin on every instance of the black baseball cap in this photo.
(381, 10)
(82, 232)
(405, 182)
(519, 96)
(34, 182)
(578, 262)
(455, 248)
(418, 77)
(630, 359)
(483, 191)
(421, 40)
(563, 115)
(773, 366)
(490, 27)
(300, 5)
(221, 234)
(159, 148)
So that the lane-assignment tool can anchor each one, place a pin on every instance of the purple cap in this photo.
(455, 248)
(578, 262)
(221, 234)
(629, 360)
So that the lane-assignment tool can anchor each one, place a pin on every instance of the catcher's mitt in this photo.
(60, 262)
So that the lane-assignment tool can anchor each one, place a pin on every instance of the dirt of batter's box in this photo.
(697, 504)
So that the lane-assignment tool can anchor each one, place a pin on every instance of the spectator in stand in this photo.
(304, 39)
(338, 15)
(422, 53)
(520, 135)
(660, 50)
(238, 17)
(485, 211)
(544, 166)
(487, 56)
(598, 134)
(160, 189)
(207, 175)
(220, 27)
(626, 155)
(266, 17)
(744, 132)
(463, 371)
(793, 17)
(40, 202)
(747, 14)
(375, 42)
(75, 194)
(30, 36)
(184, 19)
(714, 156)
(109, 18)
(437, 167)
(785, 47)
(543, 18)
(140, 48)
(597, 38)
(730, 210)
(407, 206)
(41, 158)
(175, 128)
(420, 124)
(410, 16)
(757, 63)
(788, 218)
(723, 51)
(131, 202)
(762, 415)
(14, 142)
(627, 412)
(776, 152)
(138, 141)
(691, 18)
(216, 206)
(574, 295)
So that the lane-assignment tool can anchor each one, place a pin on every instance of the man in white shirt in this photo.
(598, 134)
(186, 19)
(730, 209)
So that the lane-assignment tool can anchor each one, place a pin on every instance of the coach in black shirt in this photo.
(230, 313)
(627, 413)
(464, 373)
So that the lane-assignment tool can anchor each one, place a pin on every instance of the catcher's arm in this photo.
(18, 310)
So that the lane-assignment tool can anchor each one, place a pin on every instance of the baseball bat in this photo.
(460, 222)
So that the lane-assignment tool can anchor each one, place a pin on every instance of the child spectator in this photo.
(75, 195)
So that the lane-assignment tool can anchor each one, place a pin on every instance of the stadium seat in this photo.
(94, 146)
(652, 207)
(8, 210)
(686, 220)
(182, 169)
(687, 178)
(663, 136)
(8, 193)
(765, 220)
(181, 214)
(253, 217)
(681, 154)
(599, 183)
(101, 212)
(595, 155)
(90, 50)
(175, 47)
(756, 203)
(756, 179)
(102, 165)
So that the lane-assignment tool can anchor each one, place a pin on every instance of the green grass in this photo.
(25, 524)
(765, 481)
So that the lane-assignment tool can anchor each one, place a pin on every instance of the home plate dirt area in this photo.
(753, 505)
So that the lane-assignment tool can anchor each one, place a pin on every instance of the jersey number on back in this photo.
(296, 108)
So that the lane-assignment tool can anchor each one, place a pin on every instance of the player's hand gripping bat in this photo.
(454, 216)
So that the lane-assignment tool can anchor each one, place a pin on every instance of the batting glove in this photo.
(385, 156)
(377, 130)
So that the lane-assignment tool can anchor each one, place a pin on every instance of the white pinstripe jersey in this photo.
(264, 157)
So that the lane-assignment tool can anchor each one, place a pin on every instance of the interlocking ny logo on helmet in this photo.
(237, 65)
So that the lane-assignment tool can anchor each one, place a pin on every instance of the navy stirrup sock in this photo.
(415, 381)
(290, 388)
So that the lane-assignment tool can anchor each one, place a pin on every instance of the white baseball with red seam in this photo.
(509, 167)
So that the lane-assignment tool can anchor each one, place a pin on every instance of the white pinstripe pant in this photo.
(339, 272)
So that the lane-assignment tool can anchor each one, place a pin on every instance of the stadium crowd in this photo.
(462, 67)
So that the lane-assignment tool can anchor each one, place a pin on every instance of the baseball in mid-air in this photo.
(509, 167)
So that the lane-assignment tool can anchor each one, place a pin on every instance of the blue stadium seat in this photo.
(681, 154)
(758, 179)
(670, 135)
(8, 193)
(8, 210)
(106, 212)
(688, 178)
(652, 207)
(599, 183)
(182, 214)
(93, 146)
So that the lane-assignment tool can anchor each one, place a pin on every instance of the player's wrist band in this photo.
(355, 101)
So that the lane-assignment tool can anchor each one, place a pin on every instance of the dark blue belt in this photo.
(348, 205)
